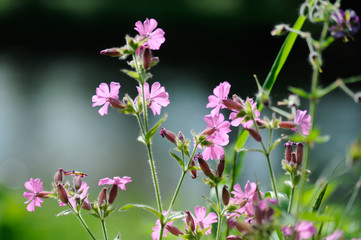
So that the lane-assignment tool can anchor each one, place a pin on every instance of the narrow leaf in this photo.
(145, 207)
(213, 204)
(66, 212)
(319, 199)
(275, 144)
(154, 129)
(131, 74)
(179, 160)
(300, 92)
(117, 237)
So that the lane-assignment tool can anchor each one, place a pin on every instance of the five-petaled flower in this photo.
(303, 121)
(221, 127)
(104, 96)
(220, 93)
(245, 198)
(202, 220)
(246, 122)
(35, 188)
(148, 30)
(156, 98)
(116, 180)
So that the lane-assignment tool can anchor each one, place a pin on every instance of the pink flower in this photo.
(335, 236)
(248, 196)
(157, 97)
(303, 121)
(104, 96)
(220, 126)
(156, 229)
(304, 230)
(81, 193)
(246, 123)
(146, 30)
(202, 220)
(35, 187)
(116, 180)
(215, 150)
(220, 93)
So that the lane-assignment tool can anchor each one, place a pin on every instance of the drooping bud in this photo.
(86, 206)
(180, 136)
(168, 134)
(242, 227)
(289, 151)
(232, 105)
(58, 178)
(293, 158)
(220, 167)
(113, 193)
(116, 103)
(111, 52)
(102, 196)
(190, 220)
(174, 230)
(287, 124)
(299, 153)
(225, 195)
(77, 182)
(193, 172)
(256, 136)
(147, 58)
(43, 194)
(62, 195)
(205, 167)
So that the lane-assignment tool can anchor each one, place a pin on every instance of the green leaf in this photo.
(319, 199)
(66, 212)
(117, 237)
(193, 168)
(213, 204)
(175, 215)
(241, 140)
(300, 92)
(275, 144)
(132, 74)
(179, 160)
(250, 150)
(154, 129)
(145, 207)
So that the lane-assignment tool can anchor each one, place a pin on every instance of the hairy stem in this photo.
(220, 216)
(104, 229)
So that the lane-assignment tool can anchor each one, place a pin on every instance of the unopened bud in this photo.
(77, 182)
(174, 230)
(260, 123)
(180, 136)
(58, 178)
(62, 195)
(111, 52)
(86, 206)
(168, 134)
(102, 196)
(225, 195)
(237, 99)
(233, 105)
(205, 167)
(299, 153)
(279, 30)
(116, 103)
(287, 124)
(43, 194)
(258, 214)
(242, 202)
(193, 172)
(190, 220)
(208, 132)
(242, 227)
(220, 167)
(147, 58)
(113, 193)
(256, 136)
(293, 157)
(289, 151)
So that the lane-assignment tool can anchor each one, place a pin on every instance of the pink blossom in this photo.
(304, 230)
(156, 229)
(220, 93)
(215, 150)
(104, 96)
(81, 193)
(116, 180)
(335, 236)
(249, 196)
(202, 220)
(303, 121)
(157, 97)
(35, 187)
(246, 123)
(220, 126)
(148, 30)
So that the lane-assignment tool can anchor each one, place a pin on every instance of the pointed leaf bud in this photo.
(113, 193)
(190, 220)
(256, 136)
(205, 167)
(62, 195)
(147, 58)
(180, 136)
(287, 124)
(58, 178)
(220, 167)
(232, 105)
(102, 197)
(77, 182)
(193, 172)
(168, 134)
(174, 230)
(225, 195)
(299, 153)
(289, 151)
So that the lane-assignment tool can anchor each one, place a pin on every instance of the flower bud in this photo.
(289, 151)
(58, 178)
(205, 167)
(190, 220)
(116, 103)
(208, 132)
(180, 136)
(299, 153)
(102, 197)
(260, 123)
(287, 124)
(242, 227)
(113, 193)
(256, 136)
(43, 194)
(193, 172)
(168, 134)
(237, 99)
(279, 30)
(174, 230)
(293, 158)
(225, 195)
(77, 182)
(62, 195)
(257, 214)
(232, 105)
(147, 58)
(111, 52)
(220, 167)
(86, 206)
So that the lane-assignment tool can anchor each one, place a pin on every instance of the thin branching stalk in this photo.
(104, 229)
(219, 214)
(78, 215)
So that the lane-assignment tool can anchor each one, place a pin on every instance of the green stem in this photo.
(219, 215)
(104, 229)
(82, 221)
(155, 178)
(291, 199)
